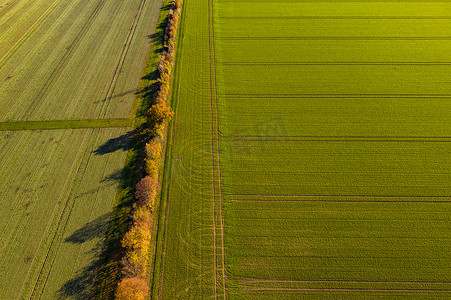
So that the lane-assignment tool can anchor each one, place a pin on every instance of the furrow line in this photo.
(270, 280)
(337, 63)
(339, 38)
(10, 6)
(375, 96)
(342, 289)
(272, 17)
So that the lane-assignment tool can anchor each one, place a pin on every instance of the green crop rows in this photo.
(310, 154)
(69, 76)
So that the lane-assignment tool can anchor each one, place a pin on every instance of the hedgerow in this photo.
(136, 242)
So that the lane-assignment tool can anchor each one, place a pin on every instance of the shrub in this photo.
(152, 168)
(169, 57)
(159, 113)
(138, 237)
(161, 65)
(142, 215)
(163, 93)
(132, 289)
(153, 148)
(134, 265)
(146, 190)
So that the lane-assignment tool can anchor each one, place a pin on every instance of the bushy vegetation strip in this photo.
(136, 242)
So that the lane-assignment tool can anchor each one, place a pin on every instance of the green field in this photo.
(310, 154)
(69, 76)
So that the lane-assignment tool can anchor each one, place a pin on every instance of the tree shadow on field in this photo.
(81, 285)
(115, 144)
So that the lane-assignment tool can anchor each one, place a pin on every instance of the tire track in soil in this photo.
(121, 62)
(215, 115)
(51, 80)
(339, 139)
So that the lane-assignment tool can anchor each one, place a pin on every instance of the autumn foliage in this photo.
(132, 289)
(146, 191)
(136, 242)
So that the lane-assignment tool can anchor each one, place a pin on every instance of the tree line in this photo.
(136, 242)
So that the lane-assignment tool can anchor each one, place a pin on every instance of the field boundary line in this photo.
(340, 139)
(342, 289)
(337, 63)
(339, 38)
(249, 279)
(328, 198)
(64, 124)
(214, 103)
(314, 96)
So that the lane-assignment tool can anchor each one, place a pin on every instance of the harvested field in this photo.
(69, 75)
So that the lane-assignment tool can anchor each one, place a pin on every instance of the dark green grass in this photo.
(64, 124)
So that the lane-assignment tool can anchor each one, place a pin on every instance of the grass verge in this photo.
(108, 273)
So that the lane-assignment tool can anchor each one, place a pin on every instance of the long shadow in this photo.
(80, 287)
(99, 279)
(115, 144)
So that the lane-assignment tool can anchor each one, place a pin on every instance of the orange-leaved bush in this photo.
(159, 113)
(132, 289)
(138, 237)
(153, 148)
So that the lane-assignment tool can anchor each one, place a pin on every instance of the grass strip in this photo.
(64, 124)
(108, 273)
